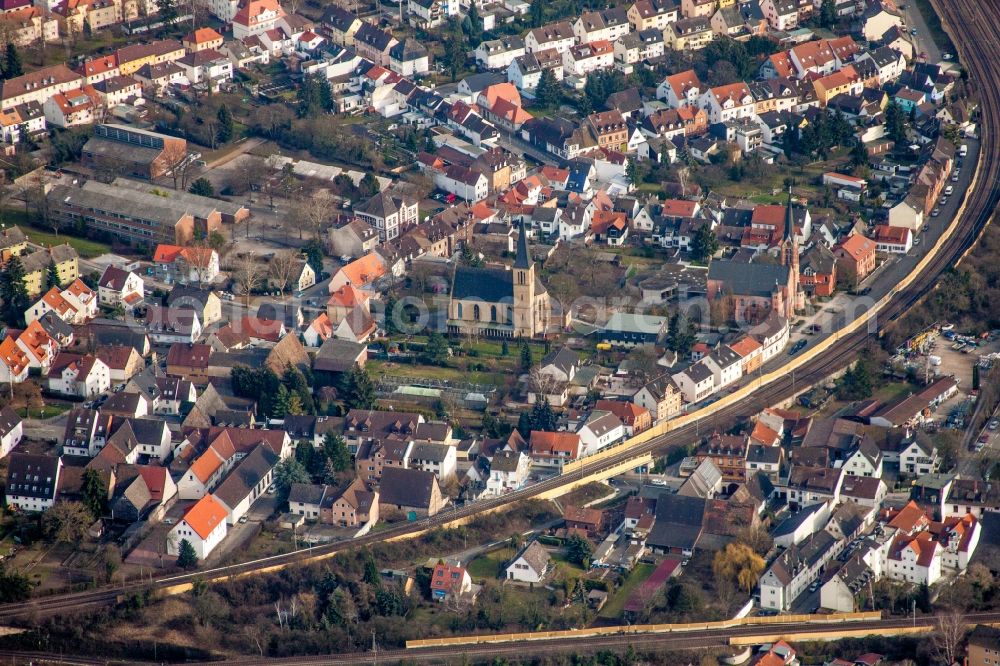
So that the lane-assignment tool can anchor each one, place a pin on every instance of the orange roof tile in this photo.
(167, 254)
(12, 356)
(546, 443)
(205, 515)
(857, 246)
(347, 296)
(365, 270)
(745, 346)
(206, 465)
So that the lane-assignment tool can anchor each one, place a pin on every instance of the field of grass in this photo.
(616, 604)
(488, 565)
(85, 247)
(48, 411)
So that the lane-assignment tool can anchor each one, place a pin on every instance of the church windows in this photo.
(475, 312)
(493, 313)
(458, 310)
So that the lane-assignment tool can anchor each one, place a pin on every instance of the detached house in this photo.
(78, 376)
(387, 213)
(530, 565)
(203, 526)
(118, 287)
(32, 481)
(558, 36)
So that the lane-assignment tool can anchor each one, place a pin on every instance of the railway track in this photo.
(974, 29)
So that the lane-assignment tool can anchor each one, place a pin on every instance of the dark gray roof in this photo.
(406, 487)
(698, 372)
(430, 452)
(749, 279)
(563, 358)
(30, 475)
(337, 355)
(246, 475)
(9, 419)
(491, 285)
(763, 454)
(407, 50)
(536, 556)
(678, 522)
(505, 461)
(792, 523)
(479, 82)
(306, 493)
(182, 296)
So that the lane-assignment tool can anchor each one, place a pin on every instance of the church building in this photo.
(751, 291)
(500, 302)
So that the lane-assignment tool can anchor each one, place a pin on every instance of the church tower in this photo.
(524, 288)
(790, 258)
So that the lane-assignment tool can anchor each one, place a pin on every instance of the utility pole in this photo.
(374, 650)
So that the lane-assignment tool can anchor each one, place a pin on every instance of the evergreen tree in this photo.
(547, 92)
(524, 424)
(542, 416)
(360, 389)
(525, 355)
(369, 185)
(95, 496)
(680, 335)
(52, 276)
(475, 26)
(537, 13)
(186, 557)
(281, 403)
(504, 349)
(336, 452)
(202, 187)
(895, 122)
(372, 575)
(859, 155)
(436, 351)
(227, 127)
(12, 66)
(13, 292)
(314, 256)
(167, 10)
(705, 243)
(329, 473)
(828, 13)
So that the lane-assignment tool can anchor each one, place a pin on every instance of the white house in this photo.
(32, 481)
(439, 459)
(78, 376)
(248, 480)
(696, 383)
(508, 471)
(908, 213)
(893, 240)
(726, 366)
(11, 430)
(558, 36)
(582, 59)
(728, 102)
(530, 565)
(203, 526)
(680, 89)
(119, 287)
(499, 53)
(600, 430)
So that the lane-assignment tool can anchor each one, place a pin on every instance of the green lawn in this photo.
(87, 249)
(48, 411)
(613, 609)
(488, 565)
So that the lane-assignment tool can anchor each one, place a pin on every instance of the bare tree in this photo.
(254, 170)
(200, 257)
(248, 274)
(543, 384)
(179, 164)
(949, 634)
(282, 268)
(314, 212)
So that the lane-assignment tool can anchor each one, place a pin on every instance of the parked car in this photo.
(797, 347)
(994, 424)
(935, 212)
(949, 190)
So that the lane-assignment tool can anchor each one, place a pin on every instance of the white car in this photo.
(948, 191)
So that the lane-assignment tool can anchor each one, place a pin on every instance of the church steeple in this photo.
(789, 218)
(523, 259)
(790, 257)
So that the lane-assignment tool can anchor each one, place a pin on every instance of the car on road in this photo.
(943, 201)
(271, 488)
(926, 228)
(935, 212)
(814, 586)
(243, 520)
(948, 191)
(916, 242)
(913, 31)
(994, 424)
(797, 347)
(954, 177)
(946, 56)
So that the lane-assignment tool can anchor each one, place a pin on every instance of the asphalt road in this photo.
(922, 41)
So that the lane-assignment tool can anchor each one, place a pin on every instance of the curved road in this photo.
(975, 30)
